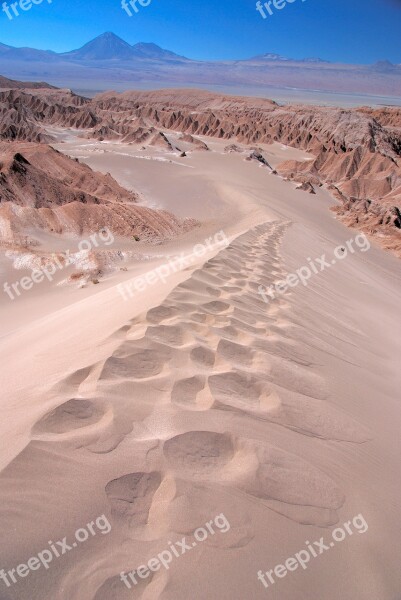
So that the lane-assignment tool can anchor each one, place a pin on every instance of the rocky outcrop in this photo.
(25, 114)
(387, 116)
(257, 155)
(194, 143)
(38, 176)
(161, 141)
(357, 151)
(43, 189)
(306, 187)
(381, 220)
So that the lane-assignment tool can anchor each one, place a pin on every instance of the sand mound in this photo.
(211, 403)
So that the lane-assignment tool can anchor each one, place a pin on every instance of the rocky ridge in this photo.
(357, 151)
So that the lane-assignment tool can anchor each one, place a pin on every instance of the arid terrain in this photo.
(160, 398)
(355, 153)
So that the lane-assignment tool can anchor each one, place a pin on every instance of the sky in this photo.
(353, 31)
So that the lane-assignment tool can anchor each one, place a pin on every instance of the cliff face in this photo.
(42, 189)
(36, 175)
(357, 151)
(387, 116)
(24, 114)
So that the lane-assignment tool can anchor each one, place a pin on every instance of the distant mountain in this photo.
(109, 62)
(145, 50)
(270, 56)
(105, 47)
(314, 59)
(109, 46)
(27, 54)
(385, 66)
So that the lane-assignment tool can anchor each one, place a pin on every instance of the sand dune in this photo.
(203, 405)
(196, 397)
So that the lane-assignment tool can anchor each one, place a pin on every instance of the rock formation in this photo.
(357, 151)
(43, 189)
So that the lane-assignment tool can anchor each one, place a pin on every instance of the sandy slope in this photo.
(197, 398)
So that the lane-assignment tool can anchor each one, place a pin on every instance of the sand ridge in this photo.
(211, 353)
(201, 398)
(199, 407)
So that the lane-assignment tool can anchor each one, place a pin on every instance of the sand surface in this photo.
(196, 398)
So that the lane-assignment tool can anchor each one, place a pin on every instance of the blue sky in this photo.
(361, 31)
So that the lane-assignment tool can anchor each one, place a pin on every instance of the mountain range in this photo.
(109, 46)
(110, 62)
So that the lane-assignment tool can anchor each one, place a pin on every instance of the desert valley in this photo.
(200, 329)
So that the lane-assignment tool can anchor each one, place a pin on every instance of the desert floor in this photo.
(196, 398)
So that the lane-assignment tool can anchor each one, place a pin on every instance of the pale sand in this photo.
(197, 398)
